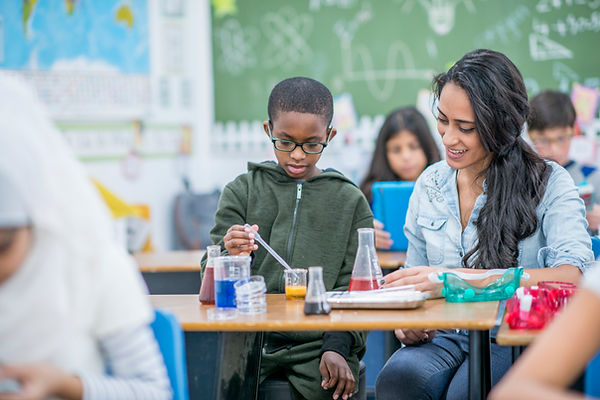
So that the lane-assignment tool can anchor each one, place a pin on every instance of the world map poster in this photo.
(86, 59)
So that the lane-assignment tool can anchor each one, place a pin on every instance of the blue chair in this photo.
(596, 246)
(172, 346)
(592, 377)
(592, 372)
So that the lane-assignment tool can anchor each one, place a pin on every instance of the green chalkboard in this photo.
(383, 52)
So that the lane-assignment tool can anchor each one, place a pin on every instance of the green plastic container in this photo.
(459, 290)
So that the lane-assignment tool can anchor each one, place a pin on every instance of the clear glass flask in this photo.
(207, 289)
(315, 301)
(366, 272)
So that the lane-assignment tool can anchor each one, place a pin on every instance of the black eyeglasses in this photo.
(289, 145)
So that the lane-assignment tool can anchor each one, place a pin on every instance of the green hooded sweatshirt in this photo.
(310, 222)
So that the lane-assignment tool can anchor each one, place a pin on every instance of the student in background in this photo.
(404, 148)
(551, 125)
(310, 217)
(72, 303)
(492, 203)
(557, 358)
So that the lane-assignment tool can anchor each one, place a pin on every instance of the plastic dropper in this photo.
(268, 248)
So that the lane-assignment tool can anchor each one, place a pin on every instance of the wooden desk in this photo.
(170, 261)
(172, 272)
(288, 315)
(515, 337)
(391, 259)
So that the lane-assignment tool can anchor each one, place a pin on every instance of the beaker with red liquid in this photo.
(366, 271)
(207, 289)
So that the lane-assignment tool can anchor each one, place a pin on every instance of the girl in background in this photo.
(403, 150)
(72, 303)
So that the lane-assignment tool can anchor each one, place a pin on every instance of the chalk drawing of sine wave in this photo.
(399, 65)
(285, 32)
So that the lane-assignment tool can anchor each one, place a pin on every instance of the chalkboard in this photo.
(383, 52)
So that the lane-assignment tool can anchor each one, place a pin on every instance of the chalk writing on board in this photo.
(440, 13)
(315, 5)
(431, 48)
(506, 30)
(592, 81)
(399, 64)
(531, 85)
(236, 46)
(541, 48)
(544, 6)
(345, 30)
(358, 64)
(286, 31)
(572, 25)
(564, 76)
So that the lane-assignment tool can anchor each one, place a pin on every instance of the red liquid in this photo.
(363, 284)
(207, 290)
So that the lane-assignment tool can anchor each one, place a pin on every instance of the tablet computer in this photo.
(390, 203)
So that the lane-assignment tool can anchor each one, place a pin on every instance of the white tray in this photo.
(372, 299)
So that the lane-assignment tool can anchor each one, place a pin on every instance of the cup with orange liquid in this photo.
(295, 283)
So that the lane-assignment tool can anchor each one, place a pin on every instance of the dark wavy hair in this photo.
(516, 177)
(401, 119)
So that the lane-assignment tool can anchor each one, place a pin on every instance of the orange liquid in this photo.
(363, 284)
(295, 292)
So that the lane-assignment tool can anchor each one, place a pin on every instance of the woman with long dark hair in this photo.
(493, 203)
(404, 148)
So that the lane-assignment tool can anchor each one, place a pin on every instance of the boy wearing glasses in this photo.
(551, 125)
(310, 217)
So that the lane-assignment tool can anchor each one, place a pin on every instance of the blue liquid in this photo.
(225, 293)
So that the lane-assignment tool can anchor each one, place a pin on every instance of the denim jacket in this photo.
(433, 225)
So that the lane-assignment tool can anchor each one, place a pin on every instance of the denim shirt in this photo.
(434, 234)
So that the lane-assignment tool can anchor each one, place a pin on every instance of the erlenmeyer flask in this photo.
(207, 289)
(366, 272)
(315, 301)
(374, 259)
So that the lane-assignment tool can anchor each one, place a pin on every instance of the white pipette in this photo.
(268, 248)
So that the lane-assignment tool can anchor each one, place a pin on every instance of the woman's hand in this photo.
(382, 238)
(335, 371)
(418, 276)
(239, 241)
(40, 381)
(411, 337)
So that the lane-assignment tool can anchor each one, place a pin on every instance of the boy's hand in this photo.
(239, 241)
(414, 336)
(382, 238)
(335, 371)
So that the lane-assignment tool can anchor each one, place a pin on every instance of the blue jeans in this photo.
(435, 370)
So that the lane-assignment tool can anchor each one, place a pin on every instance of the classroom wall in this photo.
(181, 53)
(160, 178)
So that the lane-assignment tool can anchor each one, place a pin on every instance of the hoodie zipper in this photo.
(298, 197)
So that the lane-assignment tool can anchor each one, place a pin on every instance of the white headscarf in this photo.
(76, 284)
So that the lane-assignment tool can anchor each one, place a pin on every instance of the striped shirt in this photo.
(135, 365)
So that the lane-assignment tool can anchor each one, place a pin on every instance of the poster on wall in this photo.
(86, 59)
